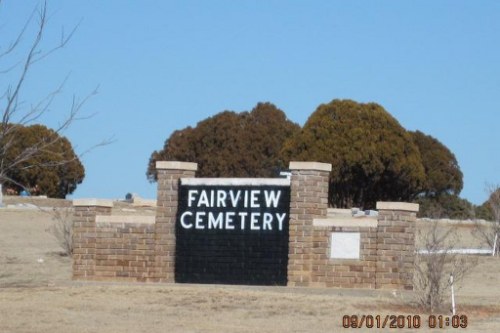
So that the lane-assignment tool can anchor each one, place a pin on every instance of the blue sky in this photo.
(165, 65)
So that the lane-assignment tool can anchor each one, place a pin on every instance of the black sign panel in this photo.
(233, 232)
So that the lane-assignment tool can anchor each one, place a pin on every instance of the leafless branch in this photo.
(62, 229)
(13, 45)
(13, 94)
(33, 56)
(433, 269)
(14, 115)
(102, 143)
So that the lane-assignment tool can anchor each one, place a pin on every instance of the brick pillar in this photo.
(308, 201)
(84, 235)
(396, 245)
(169, 174)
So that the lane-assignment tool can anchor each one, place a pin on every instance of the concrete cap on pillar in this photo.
(404, 206)
(317, 166)
(176, 165)
(93, 202)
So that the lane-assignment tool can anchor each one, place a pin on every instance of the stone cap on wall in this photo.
(93, 202)
(176, 165)
(346, 222)
(317, 166)
(236, 181)
(404, 206)
(125, 219)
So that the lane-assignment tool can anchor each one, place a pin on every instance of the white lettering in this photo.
(212, 197)
(245, 204)
(272, 198)
(191, 197)
(213, 223)
(234, 199)
(203, 199)
(255, 199)
(254, 221)
(243, 215)
(221, 198)
(199, 220)
(202, 217)
(281, 218)
(229, 220)
(268, 218)
(183, 223)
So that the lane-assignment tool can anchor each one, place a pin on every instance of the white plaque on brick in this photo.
(344, 245)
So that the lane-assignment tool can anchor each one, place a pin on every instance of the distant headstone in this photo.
(286, 174)
(356, 212)
(371, 213)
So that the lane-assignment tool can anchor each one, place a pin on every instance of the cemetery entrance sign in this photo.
(232, 231)
(246, 231)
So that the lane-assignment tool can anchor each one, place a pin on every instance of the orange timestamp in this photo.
(404, 321)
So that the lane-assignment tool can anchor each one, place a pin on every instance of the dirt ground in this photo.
(38, 295)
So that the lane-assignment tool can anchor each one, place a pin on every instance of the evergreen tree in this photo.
(55, 170)
(231, 144)
(442, 173)
(373, 157)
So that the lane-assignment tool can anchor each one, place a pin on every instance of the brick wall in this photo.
(124, 251)
(117, 248)
(110, 247)
(386, 249)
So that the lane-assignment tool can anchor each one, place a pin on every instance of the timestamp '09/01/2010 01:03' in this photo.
(404, 321)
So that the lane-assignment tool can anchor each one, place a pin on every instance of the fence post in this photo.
(495, 241)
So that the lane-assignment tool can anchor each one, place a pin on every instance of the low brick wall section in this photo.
(114, 248)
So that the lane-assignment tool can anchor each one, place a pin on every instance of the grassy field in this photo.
(38, 295)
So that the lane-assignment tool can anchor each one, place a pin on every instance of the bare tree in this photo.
(436, 261)
(13, 111)
(490, 232)
(62, 229)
